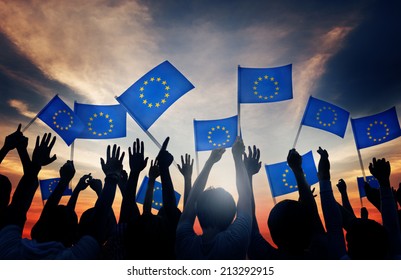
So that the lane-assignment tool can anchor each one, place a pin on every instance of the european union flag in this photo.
(102, 121)
(261, 85)
(157, 201)
(148, 98)
(376, 129)
(47, 187)
(326, 116)
(212, 134)
(58, 116)
(361, 182)
(282, 179)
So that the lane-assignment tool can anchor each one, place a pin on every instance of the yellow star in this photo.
(164, 83)
(145, 83)
(276, 83)
(101, 114)
(141, 88)
(110, 121)
(256, 82)
(91, 119)
(145, 101)
(167, 87)
(272, 79)
(95, 115)
(166, 95)
(157, 104)
(150, 105)
(89, 124)
(218, 127)
(158, 79)
(260, 78)
(152, 79)
(266, 77)
(90, 128)
(141, 95)
(163, 101)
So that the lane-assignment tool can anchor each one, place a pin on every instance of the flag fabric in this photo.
(47, 187)
(148, 98)
(282, 179)
(326, 116)
(157, 201)
(102, 121)
(372, 182)
(58, 116)
(212, 134)
(376, 129)
(261, 85)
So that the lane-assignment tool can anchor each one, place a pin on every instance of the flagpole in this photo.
(34, 118)
(297, 136)
(363, 171)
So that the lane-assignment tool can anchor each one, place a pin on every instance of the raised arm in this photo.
(342, 188)
(306, 197)
(137, 162)
(189, 213)
(331, 211)
(186, 168)
(25, 191)
(154, 172)
(164, 160)
(83, 183)
(112, 168)
(381, 170)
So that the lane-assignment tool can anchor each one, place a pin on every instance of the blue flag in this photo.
(47, 187)
(361, 182)
(282, 179)
(58, 116)
(212, 134)
(323, 115)
(102, 121)
(376, 129)
(157, 201)
(148, 98)
(261, 85)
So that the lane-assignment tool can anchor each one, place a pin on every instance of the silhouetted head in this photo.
(5, 191)
(85, 226)
(290, 226)
(215, 208)
(367, 240)
(60, 224)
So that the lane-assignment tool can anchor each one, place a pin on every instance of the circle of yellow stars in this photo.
(270, 79)
(155, 203)
(215, 129)
(323, 109)
(101, 115)
(285, 182)
(162, 101)
(377, 124)
(51, 184)
(69, 116)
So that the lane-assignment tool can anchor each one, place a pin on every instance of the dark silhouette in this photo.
(223, 236)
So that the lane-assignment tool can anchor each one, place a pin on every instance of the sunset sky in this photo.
(343, 52)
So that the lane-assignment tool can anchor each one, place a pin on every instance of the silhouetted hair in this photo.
(290, 226)
(215, 208)
(367, 240)
(60, 224)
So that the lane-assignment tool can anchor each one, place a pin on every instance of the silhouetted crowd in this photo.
(229, 228)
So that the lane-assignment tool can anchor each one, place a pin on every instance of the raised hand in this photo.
(83, 182)
(342, 186)
(41, 153)
(251, 161)
(294, 160)
(137, 160)
(380, 169)
(186, 166)
(164, 158)
(324, 165)
(113, 165)
(154, 170)
(96, 185)
(238, 147)
(216, 155)
(12, 140)
(67, 171)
